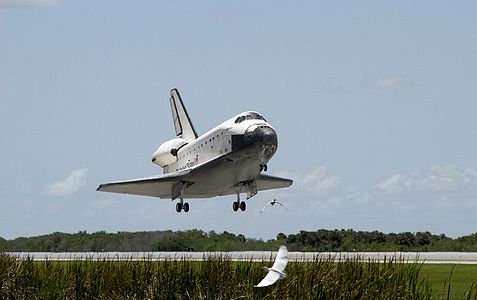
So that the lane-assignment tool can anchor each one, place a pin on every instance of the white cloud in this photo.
(437, 178)
(28, 3)
(447, 178)
(439, 184)
(318, 180)
(440, 198)
(388, 82)
(70, 185)
(394, 184)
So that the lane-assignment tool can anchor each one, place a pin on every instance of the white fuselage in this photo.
(214, 143)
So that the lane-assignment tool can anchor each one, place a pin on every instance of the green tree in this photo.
(3, 243)
(406, 239)
(423, 238)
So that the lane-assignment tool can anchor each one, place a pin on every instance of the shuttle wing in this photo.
(267, 182)
(182, 122)
(213, 178)
(156, 186)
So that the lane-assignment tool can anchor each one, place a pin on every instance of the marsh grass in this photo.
(212, 278)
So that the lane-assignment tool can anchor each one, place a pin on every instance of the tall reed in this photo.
(212, 278)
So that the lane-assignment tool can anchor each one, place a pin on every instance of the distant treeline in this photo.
(198, 240)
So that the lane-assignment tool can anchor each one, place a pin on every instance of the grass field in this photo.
(460, 277)
(221, 278)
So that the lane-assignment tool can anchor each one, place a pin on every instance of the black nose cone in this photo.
(265, 135)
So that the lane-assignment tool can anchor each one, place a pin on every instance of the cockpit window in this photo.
(250, 116)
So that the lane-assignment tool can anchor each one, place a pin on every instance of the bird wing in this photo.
(270, 279)
(281, 205)
(281, 260)
(265, 206)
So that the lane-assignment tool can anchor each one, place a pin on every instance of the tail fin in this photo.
(182, 123)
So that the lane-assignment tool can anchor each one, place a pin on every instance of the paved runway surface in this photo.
(425, 257)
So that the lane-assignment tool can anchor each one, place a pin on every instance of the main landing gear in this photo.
(182, 206)
(263, 168)
(250, 187)
(178, 192)
(239, 204)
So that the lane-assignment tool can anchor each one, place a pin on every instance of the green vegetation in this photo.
(198, 240)
(350, 240)
(453, 280)
(83, 241)
(213, 278)
(220, 278)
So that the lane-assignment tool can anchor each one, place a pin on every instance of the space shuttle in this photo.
(231, 158)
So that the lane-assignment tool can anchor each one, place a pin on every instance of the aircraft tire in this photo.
(178, 207)
(186, 207)
(243, 206)
(235, 206)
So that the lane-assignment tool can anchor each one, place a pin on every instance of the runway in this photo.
(408, 257)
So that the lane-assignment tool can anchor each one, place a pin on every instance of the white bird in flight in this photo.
(277, 271)
(272, 203)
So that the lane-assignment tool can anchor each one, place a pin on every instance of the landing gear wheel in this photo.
(186, 207)
(179, 207)
(243, 206)
(235, 206)
(265, 168)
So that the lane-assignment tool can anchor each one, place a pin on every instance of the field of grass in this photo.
(213, 278)
(460, 279)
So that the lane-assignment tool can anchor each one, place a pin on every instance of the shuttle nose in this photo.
(266, 135)
(154, 157)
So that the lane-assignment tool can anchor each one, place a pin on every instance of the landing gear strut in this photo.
(250, 187)
(178, 192)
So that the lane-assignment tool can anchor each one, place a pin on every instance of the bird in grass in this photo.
(272, 203)
(277, 271)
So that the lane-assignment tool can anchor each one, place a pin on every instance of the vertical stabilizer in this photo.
(182, 122)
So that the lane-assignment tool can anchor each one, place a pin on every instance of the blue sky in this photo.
(374, 103)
